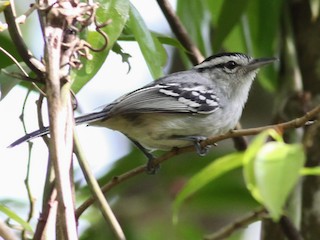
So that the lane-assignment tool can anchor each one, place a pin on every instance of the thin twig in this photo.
(14, 60)
(26, 181)
(226, 231)
(40, 118)
(181, 33)
(34, 64)
(295, 123)
(96, 191)
(49, 192)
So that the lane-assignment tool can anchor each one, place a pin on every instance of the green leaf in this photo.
(229, 17)
(12, 215)
(125, 56)
(118, 12)
(277, 166)
(7, 82)
(249, 158)
(214, 170)
(169, 41)
(7, 45)
(152, 50)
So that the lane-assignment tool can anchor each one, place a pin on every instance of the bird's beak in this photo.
(259, 62)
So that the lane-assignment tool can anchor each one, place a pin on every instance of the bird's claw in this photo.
(152, 168)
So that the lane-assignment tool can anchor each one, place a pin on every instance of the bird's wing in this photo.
(167, 97)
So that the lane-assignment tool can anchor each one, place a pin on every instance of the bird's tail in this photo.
(89, 118)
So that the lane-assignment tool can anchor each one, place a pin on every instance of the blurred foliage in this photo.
(215, 191)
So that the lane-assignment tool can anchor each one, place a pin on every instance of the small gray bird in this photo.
(181, 108)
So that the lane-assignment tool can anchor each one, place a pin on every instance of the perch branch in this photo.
(226, 231)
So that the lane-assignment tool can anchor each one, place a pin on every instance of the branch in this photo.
(46, 220)
(34, 64)
(298, 122)
(226, 231)
(181, 33)
(27, 178)
(295, 123)
(96, 191)
(60, 118)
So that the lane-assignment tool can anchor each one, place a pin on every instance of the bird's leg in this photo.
(196, 140)
(202, 151)
(151, 168)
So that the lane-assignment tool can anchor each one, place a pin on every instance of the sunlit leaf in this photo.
(12, 215)
(214, 170)
(276, 168)
(249, 157)
(118, 12)
(271, 170)
(152, 50)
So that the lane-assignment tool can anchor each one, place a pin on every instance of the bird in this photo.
(181, 108)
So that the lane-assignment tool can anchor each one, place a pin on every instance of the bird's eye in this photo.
(231, 65)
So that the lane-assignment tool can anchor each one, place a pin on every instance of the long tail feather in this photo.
(92, 117)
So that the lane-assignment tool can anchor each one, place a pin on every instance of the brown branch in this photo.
(49, 192)
(60, 117)
(226, 231)
(34, 64)
(295, 123)
(181, 33)
(103, 204)
(45, 220)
